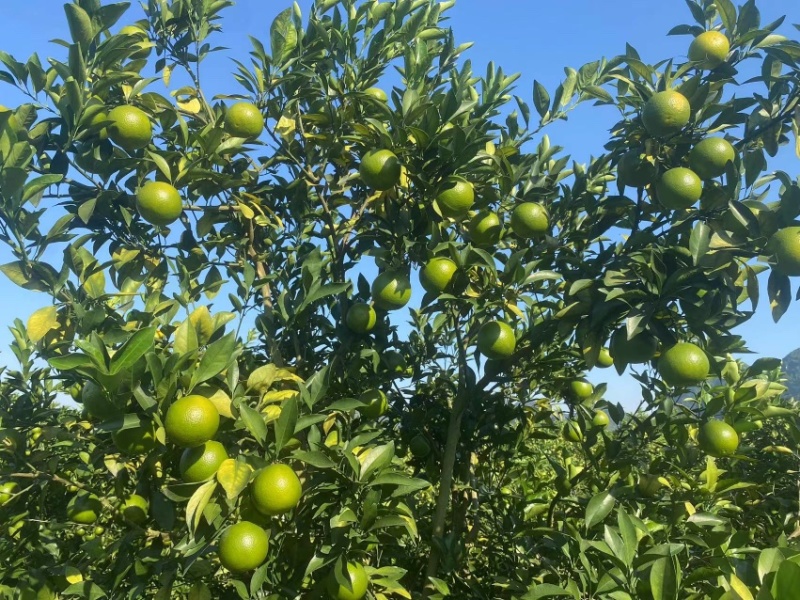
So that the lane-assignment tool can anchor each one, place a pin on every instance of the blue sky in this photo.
(537, 39)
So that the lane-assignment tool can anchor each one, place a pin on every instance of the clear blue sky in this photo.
(537, 39)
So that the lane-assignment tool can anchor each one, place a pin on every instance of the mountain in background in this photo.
(791, 365)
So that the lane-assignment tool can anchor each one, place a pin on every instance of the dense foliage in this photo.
(224, 252)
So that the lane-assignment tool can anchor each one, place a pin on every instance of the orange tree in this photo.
(254, 424)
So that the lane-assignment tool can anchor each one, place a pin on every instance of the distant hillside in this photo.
(791, 364)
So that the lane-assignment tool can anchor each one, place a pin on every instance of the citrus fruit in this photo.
(785, 247)
(455, 197)
(530, 220)
(666, 113)
(243, 547)
(276, 490)
(718, 439)
(376, 404)
(380, 169)
(710, 156)
(437, 274)
(7, 490)
(244, 120)
(600, 419)
(99, 125)
(159, 203)
(96, 403)
(648, 485)
(396, 363)
(709, 49)
(201, 462)
(604, 359)
(357, 580)
(679, 188)
(84, 508)
(419, 446)
(639, 349)
(191, 421)
(361, 318)
(129, 127)
(135, 509)
(135, 440)
(571, 432)
(683, 364)
(485, 228)
(391, 290)
(377, 93)
(580, 389)
(248, 512)
(496, 340)
(635, 169)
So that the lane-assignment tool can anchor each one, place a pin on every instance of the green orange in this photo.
(376, 403)
(97, 404)
(635, 169)
(391, 290)
(130, 127)
(276, 490)
(84, 508)
(580, 389)
(718, 439)
(244, 120)
(136, 440)
(604, 359)
(684, 364)
(639, 349)
(496, 340)
(7, 491)
(666, 113)
(201, 462)
(785, 247)
(437, 274)
(380, 169)
(600, 419)
(485, 228)
(571, 432)
(243, 547)
(710, 156)
(191, 421)
(709, 49)
(455, 197)
(419, 446)
(679, 188)
(159, 203)
(361, 318)
(377, 93)
(354, 589)
(530, 220)
(135, 509)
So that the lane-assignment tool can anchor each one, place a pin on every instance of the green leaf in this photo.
(283, 36)
(234, 475)
(254, 422)
(197, 504)
(664, 579)
(285, 424)
(704, 519)
(787, 581)
(545, 590)
(39, 184)
(403, 484)
(85, 589)
(699, 241)
(727, 12)
(185, 338)
(217, 356)
(374, 459)
(80, 24)
(541, 99)
(70, 362)
(779, 291)
(599, 507)
(136, 347)
(323, 291)
(627, 532)
(315, 459)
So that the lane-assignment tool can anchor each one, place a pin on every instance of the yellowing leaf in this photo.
(219, 398)
(286, 127)
(272, 412)
(233, 476)
(197, 504)
(739, 588)
(203, 324)
(72, 575)
(42, 321)
(192, 106)
(690, 509)
(287, 375)
(166, 75)
(330, 421)
(280, 395)
(95, 284)
(246, 211)
(261, 379)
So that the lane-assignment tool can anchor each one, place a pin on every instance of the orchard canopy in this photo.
(259, 411)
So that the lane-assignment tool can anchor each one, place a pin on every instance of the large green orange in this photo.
(437, 274)
(684, 364)
(97, 404)
(571, 432)
(201, 462)
(159, 203)
(135, 441)
(580, 389)
(84, 508)
(635, 169)
(496, 340)
(717, 438)
(391, 290)
(455, 197)
(637, 350)
(600, 419)
(130, 127)
(604, 359)
(679, 188)
(135, 509)
(191, 421)
(485, 228)
(377, 93)
(276, 490)
(358, 582)
(244, 120)
(380, 169)
(376, 403)
(419, 446)
(666, 113)
(710, 157)
(243, 547)
(785, 247)
(709, 49)
(7, 491)
(361, 318)
(530, 220)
